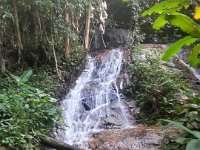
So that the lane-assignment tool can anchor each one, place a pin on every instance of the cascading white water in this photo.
(88, 104)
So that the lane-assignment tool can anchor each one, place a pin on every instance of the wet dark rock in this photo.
(117, 121)
(87, 103)
(113, 97)
(113, 38)
(86, 107)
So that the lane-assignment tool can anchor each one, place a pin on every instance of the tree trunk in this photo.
(17, 30)
(87, 27)
(66, 39)
(2, 62)
(77, 18)
(56, 61)
(38, 21)
(53, 47)
(27, 29)
(59, 145)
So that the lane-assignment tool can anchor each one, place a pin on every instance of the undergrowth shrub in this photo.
(157, 88)
(25, 112)
(187, 114)
(161, 91)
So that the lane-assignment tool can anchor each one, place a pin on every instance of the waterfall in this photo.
(95, 99)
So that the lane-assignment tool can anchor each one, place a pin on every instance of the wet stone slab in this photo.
(139, 137)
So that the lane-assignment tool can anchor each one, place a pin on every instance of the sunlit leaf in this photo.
(197, 13)
(159, 22)
(185, 23)
(25, 76)
(125, 1)
(173, 49)
(16, 78)
(167, 5)
(194, 58)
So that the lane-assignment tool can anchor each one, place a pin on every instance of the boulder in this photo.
(139, 137)
(112, 38)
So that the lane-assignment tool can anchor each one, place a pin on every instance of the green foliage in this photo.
(46, 81)
(180, 126)
(194, 58)
(188, 40)
(193, 143)
(187, 114)
(24, 77)
(160, 91)
(155, 88)
(41, 21)
(159, 22)
(185, 23)
(25, 112)
(167, 6)
(169, 13)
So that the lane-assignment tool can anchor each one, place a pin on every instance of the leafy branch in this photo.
(169, 12)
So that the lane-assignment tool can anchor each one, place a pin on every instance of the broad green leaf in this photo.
(15, 78)
(193, 145)
(182, 140)
(159, 22)
(194, 58)
(180, 126)
(174, 48)
(25, 76)
(196, 134)
(167, 5)
(125, 1)
(185, 23)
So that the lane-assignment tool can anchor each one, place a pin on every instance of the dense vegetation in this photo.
(156, 86)
(35, 33)
(169, 12)
(52, 38)
(25, 112)
(160, 92)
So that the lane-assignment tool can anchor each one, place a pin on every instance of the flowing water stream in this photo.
(89, 105)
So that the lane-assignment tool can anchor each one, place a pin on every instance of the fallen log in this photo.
(56, 144)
